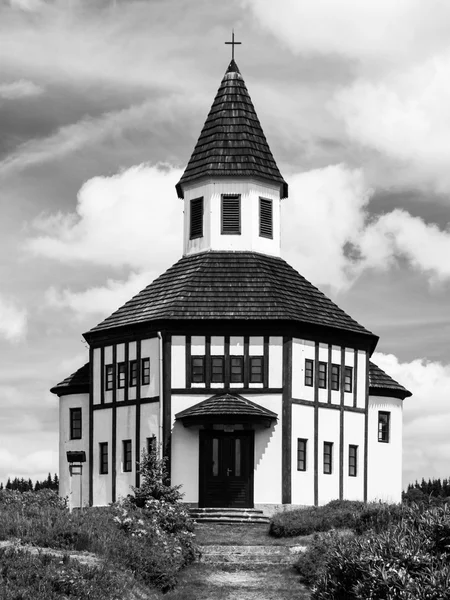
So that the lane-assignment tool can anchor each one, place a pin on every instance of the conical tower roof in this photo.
(232, 142)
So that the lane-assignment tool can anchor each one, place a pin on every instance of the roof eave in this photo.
(284, 188)
(67, 390)
(386, 392)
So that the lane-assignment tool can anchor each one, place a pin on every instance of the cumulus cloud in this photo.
(19, 89)
(425, 415)
(33, 465)
(13, 320)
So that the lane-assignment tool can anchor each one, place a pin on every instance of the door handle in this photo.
(229, 471)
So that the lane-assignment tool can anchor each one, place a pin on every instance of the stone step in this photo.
(250, 555)
(228, 509)
(228, 515)
(242, 520)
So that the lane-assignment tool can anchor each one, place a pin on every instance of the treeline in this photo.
(433, 488)
(24, 485)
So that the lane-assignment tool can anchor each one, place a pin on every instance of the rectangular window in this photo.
(121, 375)
(335, 377)
(75, 423)
(133, 373)
(265, 218)
(103, 446)
(231, 214)
(109, 377)
(348, 379)
(256, 369)
(322, 375)
(328, 458)
(196, 222)
(301, 454)
(127, 456)
(237, 369)
(352, 460)
(384, 419)
(151, 444)
(198, 369)
(145, 371)
(217, 369)
(309, 372)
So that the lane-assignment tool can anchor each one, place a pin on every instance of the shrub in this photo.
(377, 516)
(155, 480)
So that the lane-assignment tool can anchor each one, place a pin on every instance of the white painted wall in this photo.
(102, 492)
(96, 387)
(354, 434)
(362, 380)
(275, 362)
(303, 481)
(249, 239)
(150, 349)
(178, 361)
(126, 428)
(328, 432)
(149, 424)
(66, 444)
(385, 459)
(301, 350)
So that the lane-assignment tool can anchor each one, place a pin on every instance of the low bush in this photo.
(408, 560)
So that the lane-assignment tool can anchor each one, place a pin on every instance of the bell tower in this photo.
(232, 188)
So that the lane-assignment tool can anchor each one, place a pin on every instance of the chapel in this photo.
(257, 388)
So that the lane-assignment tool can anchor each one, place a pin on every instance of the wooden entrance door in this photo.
(226, 469)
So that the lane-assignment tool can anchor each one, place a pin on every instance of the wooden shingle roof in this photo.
(382, 384)
(78, 382)
(232, 142)
(224, 286)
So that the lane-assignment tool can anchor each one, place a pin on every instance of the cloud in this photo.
(13, 320)
(19, 89)
(131, 219)
(101, 300)
(33, 465)
(426, 418)
(27, 5)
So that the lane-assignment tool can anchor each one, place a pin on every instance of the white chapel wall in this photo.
(303, 481)
(354, 435)
(102, 492)
(329, 432)
(126, 428)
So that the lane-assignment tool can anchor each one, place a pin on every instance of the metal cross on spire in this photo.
(233, 44)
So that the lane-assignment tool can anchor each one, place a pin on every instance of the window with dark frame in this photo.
(151, 444)
(121, 375)
(384, 419)
(265, 218)
(301, 454)
(236, 369)
(133, 373)
(352, 460)
(231, 214)
(348, 379)
(145, 371)
(328, 458)
(217, 369)
(256, 374)
(196, 220)
(127, 456)
(75, 423)
(322, 374)
(335, 377)
(103, 447)
(109, 377)
(309, 372)
(198, 369)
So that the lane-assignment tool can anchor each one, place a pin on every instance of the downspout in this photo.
(161, 411)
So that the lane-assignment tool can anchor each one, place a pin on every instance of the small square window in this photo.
(145, 371)
(109, 377)
(352, 460)
(127, 456)
(335, 377)
(196, 220)
(322, 375)
(121, 375)
(309, 372)
(133, 373)
(237, 369)
(384, 419)
(328, 458)
(198, 369)
(103, 447)
(348, 379)
(75, 423)
(301, 454)
(231, 214)
(256, 369)
(217, 369)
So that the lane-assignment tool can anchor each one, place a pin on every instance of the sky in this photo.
(101, 104)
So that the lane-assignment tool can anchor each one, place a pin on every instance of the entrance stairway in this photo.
(250, 557)
(229, 515)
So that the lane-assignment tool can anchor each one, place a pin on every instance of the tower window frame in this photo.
(127, 456)
(109, 377)
(348, 379)
(236, 369)
(198, 371)
(302, 445)
(384, 426)
(133, 373)
(352, 460)
(230, 214)
(256, 369)
(121, 375)
(145, 371)
(309, 372)
(328, 458)
(217, 369)
(335, 377)
(266, 218)
(322, 375)
(196, 212)
(103, 458)
(76, 425)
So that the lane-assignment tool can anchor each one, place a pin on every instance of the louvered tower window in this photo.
(265, 218)
(196, 228)
(231, 214)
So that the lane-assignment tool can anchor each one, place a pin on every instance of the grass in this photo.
(224, 534)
